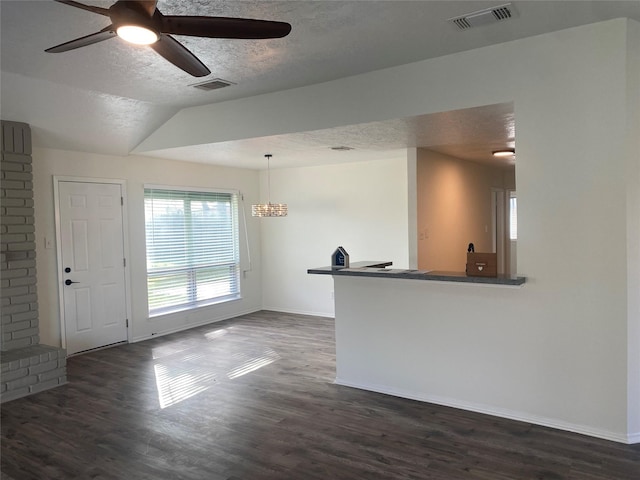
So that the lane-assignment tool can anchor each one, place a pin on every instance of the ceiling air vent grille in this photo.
(484, 17)
(214, 84)
(502, 13)
(461, 23)
(342, 148)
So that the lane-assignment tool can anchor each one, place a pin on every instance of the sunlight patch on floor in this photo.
(216, 333)
(169, 349)
(254, 363)
(178, 384)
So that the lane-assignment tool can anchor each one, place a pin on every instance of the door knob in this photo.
(69, 282)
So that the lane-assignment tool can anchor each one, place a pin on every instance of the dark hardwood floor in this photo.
(252, 398)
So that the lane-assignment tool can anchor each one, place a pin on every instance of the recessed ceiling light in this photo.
(505, 152)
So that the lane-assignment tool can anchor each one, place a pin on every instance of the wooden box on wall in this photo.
(482, 265)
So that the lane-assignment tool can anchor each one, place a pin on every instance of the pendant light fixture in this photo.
(269, 209)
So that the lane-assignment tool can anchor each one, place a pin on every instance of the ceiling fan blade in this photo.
(100, 36)
(176, 53)
(90, 8)
(223, 27)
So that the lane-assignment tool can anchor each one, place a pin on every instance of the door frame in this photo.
(125, 243)
(498, 228)
(512, 269)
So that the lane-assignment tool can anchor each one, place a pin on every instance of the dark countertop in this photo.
(352, 265)
(376, 269)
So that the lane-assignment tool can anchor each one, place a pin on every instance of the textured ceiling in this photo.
(108, 97)
(471, 133)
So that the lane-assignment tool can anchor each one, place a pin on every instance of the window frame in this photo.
(191, 271)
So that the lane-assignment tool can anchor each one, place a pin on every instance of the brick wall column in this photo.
(19, 297)
(27, 366)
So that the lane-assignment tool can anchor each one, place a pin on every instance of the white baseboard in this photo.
(300, 312)
(496, 412)
(633, 438)
(184, 327)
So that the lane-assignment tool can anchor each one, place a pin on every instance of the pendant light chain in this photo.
(268, 155)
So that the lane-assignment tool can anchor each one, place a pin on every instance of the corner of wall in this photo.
(633, 229)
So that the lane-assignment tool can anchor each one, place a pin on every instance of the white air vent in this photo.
(484, 17)
(342, 148)
(213, 84)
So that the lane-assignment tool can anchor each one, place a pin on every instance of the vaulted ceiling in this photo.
(108, 97)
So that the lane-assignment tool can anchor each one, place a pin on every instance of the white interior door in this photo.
(92, 263)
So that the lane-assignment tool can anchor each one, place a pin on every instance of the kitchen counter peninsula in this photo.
(430, 336)
(377, 269)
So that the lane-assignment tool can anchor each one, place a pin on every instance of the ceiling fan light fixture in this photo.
(140, 22)
(505, 152)
(137, 35)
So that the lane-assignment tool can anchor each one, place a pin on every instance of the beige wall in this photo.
(454, 208)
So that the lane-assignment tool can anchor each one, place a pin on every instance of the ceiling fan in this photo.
(140, 22)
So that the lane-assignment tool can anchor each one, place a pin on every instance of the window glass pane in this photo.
(192, 248)
(167, 290)
(216, 282)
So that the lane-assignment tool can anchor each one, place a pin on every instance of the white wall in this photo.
(137, 171)
(633, 224)
(360, 206)
(480, 362)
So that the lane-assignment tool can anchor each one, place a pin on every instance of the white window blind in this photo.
(192, 248)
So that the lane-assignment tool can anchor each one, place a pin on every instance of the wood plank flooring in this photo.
(252, 398)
